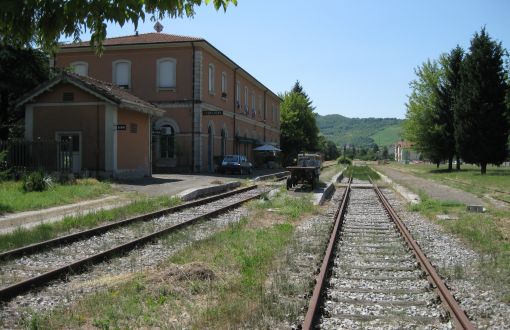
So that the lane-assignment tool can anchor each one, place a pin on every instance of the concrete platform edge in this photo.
(403, 191)
(194, 193)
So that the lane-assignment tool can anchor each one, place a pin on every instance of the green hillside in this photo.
(359, 131)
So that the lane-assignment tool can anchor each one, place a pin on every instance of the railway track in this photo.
(374, 275)
(35, 266)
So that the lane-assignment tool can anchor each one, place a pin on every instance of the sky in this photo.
(354, 58)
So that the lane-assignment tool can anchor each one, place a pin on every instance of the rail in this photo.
(321, 277)
(460, 318)
(9, 292)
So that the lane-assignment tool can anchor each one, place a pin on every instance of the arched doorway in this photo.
(210, 153)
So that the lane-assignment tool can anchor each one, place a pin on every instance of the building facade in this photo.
(212, 106)
(83, 115)
(404, 152)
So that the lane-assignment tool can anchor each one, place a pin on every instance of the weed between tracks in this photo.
(361, 172)
(219, 282)
(23, 236)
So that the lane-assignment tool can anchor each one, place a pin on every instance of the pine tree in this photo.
(481, 123)
(448, 90)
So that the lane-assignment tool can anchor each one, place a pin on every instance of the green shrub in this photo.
(344, 160)
(4, 170)
(37, 181)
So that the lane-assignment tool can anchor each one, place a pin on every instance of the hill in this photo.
(359, 131)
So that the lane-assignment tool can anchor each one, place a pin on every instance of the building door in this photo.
(70, 151)
(210, 149)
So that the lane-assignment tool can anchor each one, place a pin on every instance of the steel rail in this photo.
(37, 247)
(320, 280)
(7, 293)
(460, 317)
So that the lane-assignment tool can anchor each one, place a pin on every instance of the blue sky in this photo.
(354, 58)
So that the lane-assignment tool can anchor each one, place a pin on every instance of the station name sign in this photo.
(212, 113)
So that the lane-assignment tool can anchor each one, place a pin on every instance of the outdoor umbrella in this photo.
(267, 147)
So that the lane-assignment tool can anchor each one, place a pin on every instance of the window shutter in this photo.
(122, 74)
(80, 69)
(166, 74)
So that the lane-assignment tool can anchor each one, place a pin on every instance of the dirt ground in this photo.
(433, 189)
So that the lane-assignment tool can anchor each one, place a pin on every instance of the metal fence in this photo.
(50, 156)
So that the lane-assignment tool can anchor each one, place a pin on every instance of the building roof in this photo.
(104, 90)
(143, 38)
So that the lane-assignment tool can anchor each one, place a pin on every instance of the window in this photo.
(81, 68)
(211, 78)
(238, 94)
(122, 73)
(223, 84)
(68, 96)
(133, 127)
(246, 110)
(274, 114)
(166, 73)
(223, 142)
(253, 110)
(260, 106)
(167, 142)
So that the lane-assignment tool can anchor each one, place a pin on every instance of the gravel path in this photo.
(433, 189)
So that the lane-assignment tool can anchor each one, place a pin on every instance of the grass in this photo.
(14, 199)
(361, 173)
(483, 231)
(327, 173)
(218, 282)
(25, 236)
(495, 183)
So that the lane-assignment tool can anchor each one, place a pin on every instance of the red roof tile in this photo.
(110, 91)
(143, 38)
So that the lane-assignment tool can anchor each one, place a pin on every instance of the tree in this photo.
(385, 153)
(423, 126)
(328, 148)
(448, 91)
(43, 22)
(298, 128)
(15, 80)
(481, 123)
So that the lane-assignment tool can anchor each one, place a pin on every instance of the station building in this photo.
(202, 104)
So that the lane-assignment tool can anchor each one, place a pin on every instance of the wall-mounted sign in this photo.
(212, 113)
(121, 127)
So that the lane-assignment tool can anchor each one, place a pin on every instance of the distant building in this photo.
(404, 152)
(205, 105)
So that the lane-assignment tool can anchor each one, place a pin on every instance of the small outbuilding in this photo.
(107, 129)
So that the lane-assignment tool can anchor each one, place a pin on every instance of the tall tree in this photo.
(44, 21)
(481, 123)
(448, 90)
(15, 80)
(298, 128)
(422, 126)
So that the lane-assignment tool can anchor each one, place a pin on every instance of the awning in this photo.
(267, 147)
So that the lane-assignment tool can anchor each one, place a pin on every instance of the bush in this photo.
(37, 181)
(4, 170)
(344, 160)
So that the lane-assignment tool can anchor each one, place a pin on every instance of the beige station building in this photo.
(150, 103)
